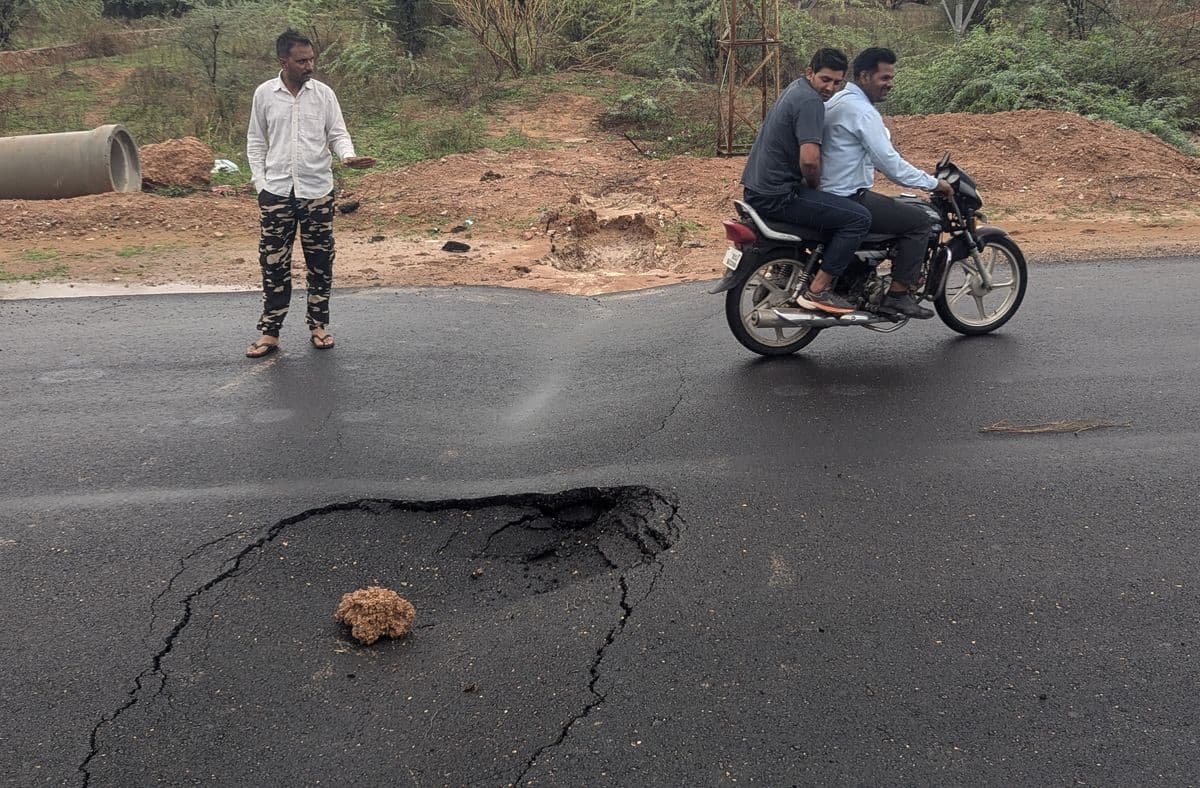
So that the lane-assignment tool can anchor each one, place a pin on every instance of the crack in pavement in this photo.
(182, 568)
(155, 669)
(611, 637)
(457, 532)
(545, 505)
(670, 413)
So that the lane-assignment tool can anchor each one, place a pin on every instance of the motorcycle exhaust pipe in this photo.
(784, 317)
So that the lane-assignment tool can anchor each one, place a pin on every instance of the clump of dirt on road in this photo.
(185, 163)
(375, 612)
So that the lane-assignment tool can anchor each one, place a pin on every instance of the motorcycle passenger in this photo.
(782, 177)
(856, 143)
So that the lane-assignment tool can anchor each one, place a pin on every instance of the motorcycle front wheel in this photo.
(769, 284)
(968, 305)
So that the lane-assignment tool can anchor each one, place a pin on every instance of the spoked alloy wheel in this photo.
(967, 305)
(768, 285)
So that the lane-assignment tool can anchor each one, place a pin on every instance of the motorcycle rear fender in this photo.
(960, 247)
(730, 279)
(750, 257)
(727, 282)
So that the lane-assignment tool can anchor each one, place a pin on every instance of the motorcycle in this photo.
(973, 273)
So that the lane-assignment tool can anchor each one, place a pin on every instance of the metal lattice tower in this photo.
(749, 51)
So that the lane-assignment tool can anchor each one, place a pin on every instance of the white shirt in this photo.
(855, 142)
(290, 137)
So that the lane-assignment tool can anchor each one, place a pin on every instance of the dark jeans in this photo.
(909, 223)
(279, 218)
(846, 221)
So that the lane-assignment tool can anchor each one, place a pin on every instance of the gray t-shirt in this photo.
(773, 166)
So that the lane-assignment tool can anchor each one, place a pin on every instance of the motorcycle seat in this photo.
(795, 233)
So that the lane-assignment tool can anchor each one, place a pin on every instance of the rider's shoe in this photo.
(905, 304)
(826, 301)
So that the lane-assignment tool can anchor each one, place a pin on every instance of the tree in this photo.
(959, 22)
(202, 38)
(1078, 18)
(137, 9)
(408, 20)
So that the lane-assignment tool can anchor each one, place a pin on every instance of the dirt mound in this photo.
(1066, 187)
(111, 216)
(1057, 158)
(573, 119)
(185, 163)
(618, 231)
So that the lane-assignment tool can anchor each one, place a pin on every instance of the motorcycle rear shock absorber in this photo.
(810, 270)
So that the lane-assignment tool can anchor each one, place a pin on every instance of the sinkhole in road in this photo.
(520, 600)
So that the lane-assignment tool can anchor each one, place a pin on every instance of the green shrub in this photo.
(638, 109)
(1009, 66)
(673, 36)
(595, 33)
(455, 133)
(672, 116)
(137, 9)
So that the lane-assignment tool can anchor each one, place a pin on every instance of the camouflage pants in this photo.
(279, 217)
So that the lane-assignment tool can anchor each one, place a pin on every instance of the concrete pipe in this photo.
(57, 166)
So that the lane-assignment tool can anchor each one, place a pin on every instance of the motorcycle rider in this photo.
(855, 143)
(782, 177)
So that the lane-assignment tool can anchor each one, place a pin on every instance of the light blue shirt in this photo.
(856, 142)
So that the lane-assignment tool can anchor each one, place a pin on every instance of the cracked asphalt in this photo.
(638, 554)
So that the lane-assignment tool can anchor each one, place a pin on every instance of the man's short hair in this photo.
(869, 59)
(832, 59)
(289, 39)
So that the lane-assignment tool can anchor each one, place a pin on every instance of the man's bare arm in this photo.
(810, 163)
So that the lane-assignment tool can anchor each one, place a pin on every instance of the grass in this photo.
(45, 101)
(515, 139)
(664, 117)
(681, 230)
(59, 269)
(417, 131)
(135, 250)
(38, 255)
(158, 93)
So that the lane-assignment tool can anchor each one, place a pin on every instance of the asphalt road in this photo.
(638, 553)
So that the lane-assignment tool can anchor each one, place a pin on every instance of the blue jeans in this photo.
(846, 222)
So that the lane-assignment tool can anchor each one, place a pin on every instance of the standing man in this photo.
(783, 181)
(294, 122)
(856, 143)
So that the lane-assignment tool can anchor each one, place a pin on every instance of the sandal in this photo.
(261, 349)
(322, 342)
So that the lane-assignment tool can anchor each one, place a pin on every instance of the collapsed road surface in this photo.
(637, 553)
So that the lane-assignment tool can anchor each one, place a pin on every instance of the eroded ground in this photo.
(585, 212)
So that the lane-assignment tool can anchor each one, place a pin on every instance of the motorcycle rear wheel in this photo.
(967, 306)
(769, 284)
